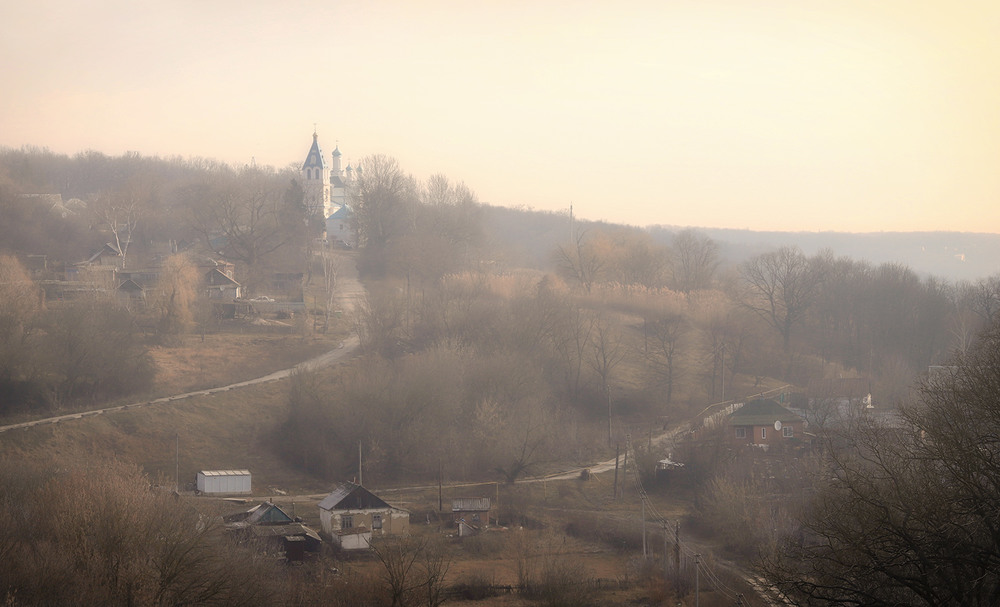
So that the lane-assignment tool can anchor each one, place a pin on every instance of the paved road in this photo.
(349, 294)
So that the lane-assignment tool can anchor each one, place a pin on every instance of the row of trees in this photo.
(251, 216)
(98, 535)
(418, 232)
(103, 534)
(883, 321)
(630, 257)
(86, 349)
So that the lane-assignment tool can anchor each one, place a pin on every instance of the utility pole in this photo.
(177, 463)
(723, 371)
(677, 554)
(644, 552)
(361, 480)
(608, 389)
(697, 565)
(614, 490)
(628, 440)
(666, 567)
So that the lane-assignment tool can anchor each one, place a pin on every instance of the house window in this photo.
(741, 433)
(346, 521)
(763, 433)
(787, 432)
(376, 521)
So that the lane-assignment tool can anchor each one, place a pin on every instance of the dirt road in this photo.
(349, 293)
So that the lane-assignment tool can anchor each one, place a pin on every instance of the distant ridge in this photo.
(953, 256)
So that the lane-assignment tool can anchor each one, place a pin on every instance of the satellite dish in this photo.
(777, 426)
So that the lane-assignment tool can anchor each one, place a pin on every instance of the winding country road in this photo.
(349, 293)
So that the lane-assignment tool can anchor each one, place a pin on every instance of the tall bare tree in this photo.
(244, 217)
(383, 203)
(665, 333)
(580, 261)
(120, 212)
(779, 287)
(607, 351)
(694, 259)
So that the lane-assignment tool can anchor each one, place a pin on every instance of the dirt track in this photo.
(349, 293)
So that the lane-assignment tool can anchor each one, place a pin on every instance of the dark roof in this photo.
(261, 514)
(315, 156)
(343, 212)
(216, 277)
(470, 504)
(131, 286)
(348, 496)
(762, 413)
(107, 248)
(268, 514)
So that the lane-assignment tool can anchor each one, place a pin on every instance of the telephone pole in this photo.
(697, 566)
(644, 552)
(677, 554)
(666, 567)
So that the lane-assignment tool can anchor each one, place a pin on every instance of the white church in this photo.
(327, 191)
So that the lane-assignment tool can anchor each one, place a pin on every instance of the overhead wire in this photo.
(655, 515)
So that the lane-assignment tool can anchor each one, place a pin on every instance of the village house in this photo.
(338, 228)
(271, 527)
(471, 514)
(351, 515)
(764, 422)
(220, 285)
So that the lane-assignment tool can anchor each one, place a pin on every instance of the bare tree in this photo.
(413, 570)
(779, 287)
(608, 351)
(909, 517)
(580, 261)
(383, 204)
(986, 298)
(111, 540)
(245, 217)
(693, 261)
(331, 269)
(119, 212)
(665, 333)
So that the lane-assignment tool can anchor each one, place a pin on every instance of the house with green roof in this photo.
(764, 422)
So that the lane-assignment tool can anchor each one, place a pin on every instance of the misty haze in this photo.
(419, 304)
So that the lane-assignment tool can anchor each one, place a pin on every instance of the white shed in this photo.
(224, 481)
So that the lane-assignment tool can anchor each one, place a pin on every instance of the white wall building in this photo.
(326, 186)
(215, 482)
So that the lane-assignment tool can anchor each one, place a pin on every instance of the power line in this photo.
(650, 509)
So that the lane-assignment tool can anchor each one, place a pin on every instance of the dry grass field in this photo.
(233, 429)
(225, 358)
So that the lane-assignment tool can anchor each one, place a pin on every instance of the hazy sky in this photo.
(869, 115)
